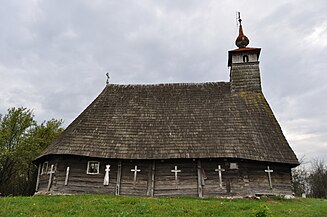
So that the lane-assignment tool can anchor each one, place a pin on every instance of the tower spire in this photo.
(244, 64)
(241, 40)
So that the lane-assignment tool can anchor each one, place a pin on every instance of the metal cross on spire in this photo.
(239, 17)
(108, 77)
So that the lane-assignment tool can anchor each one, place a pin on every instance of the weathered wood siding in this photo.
(211, 179)
(249, 179)
(195, 178)
(43, 183)
(79, 181)
(165, 184)
(258, 179)
(127, 179)
(245, 77)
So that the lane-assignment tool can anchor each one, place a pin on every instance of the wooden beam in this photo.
(200, 189)
(118, 178)
(148, 187)
(51, 172)
(153, 170)
(38, 178)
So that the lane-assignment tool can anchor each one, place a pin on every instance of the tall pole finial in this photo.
(108, 77)
(239, 17)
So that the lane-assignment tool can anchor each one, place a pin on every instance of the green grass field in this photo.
(104, 205)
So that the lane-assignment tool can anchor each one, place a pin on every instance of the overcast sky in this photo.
(54, 54)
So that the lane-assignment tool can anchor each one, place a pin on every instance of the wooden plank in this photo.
(51, 172)
(148, 190)
(153, 170)
(118, 178)
(199, 168)
(38, 178)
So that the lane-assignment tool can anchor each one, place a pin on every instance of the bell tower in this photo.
(244, 64)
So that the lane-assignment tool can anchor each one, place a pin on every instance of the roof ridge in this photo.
(170, 84)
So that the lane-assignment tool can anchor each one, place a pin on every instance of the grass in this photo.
(104, 205)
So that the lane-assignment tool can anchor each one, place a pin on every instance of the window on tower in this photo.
(245, 58)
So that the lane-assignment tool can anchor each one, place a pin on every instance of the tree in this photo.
(318, 180)
(312, 182)
(13, 129)
(21, 141)
(300, 179)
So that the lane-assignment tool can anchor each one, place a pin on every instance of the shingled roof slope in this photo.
(166, 121)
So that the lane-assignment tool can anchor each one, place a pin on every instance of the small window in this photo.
(44, 167)
(233, 166)
(93, 167)
(245, 58)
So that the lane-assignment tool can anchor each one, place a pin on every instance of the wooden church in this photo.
(178, 139)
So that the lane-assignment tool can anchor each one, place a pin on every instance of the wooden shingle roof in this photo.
(166, 121)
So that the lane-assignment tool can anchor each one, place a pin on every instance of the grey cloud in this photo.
(54, 54)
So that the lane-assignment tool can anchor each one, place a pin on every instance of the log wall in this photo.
(196, 178)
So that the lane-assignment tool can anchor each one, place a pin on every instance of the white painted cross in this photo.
(135, 170)
(67, 175)
(176, 171)
(219, 170)
(106, 176)
(51, 172)
(268, 170)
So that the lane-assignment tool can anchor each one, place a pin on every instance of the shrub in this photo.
(263, 211)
